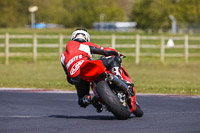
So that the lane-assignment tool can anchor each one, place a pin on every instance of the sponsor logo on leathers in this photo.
(73, 59)
(75, 67)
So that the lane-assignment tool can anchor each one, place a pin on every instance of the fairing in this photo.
(90, 70)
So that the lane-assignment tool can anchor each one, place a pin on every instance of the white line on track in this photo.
(37, 90)
(24, 116)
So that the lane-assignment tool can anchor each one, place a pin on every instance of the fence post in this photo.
(113, 41)
(137, 58)
(61, 44)
(6, 48)
(186, 48)
(162, 49)
(35, 48)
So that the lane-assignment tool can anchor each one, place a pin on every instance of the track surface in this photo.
(38, 112)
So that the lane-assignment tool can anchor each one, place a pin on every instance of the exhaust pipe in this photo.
(119, 83)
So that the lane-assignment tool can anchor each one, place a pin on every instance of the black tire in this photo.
(138, 112)
(111, 101)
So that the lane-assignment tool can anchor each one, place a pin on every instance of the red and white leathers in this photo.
(76, 53)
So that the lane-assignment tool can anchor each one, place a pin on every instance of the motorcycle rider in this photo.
(79, 49)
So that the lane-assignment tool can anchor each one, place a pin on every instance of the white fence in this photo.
(136, 44)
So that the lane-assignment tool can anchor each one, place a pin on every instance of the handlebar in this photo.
(122, 56)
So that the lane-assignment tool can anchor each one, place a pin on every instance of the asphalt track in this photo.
(39, 112)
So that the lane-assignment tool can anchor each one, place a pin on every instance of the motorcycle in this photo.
(117, 95)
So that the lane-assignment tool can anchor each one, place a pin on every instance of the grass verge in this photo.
(148, 78)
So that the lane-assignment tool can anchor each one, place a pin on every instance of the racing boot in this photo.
(85, 101)
(90, 99)
(117, 72)
(97, 105)
(130, 88)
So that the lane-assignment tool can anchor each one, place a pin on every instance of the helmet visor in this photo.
(80, 35)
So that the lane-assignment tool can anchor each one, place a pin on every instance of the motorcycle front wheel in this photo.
(112, 101)
(138, 111)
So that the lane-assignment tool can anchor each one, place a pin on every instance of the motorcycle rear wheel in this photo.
(111, 101)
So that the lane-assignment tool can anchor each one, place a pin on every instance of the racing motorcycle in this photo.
(117, 95)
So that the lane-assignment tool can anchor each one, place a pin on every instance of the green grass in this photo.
(166, 78)
(47, 75)
(148, 78)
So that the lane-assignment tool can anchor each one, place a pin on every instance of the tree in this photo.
(49, 11)
(155, 13)
(71, 13)
(12, 13)
(81, 13)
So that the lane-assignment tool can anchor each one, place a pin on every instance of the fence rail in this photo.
(136, 43)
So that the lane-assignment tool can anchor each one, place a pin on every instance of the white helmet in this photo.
(80, 35)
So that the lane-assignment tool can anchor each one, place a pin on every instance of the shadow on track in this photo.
(89, 117)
